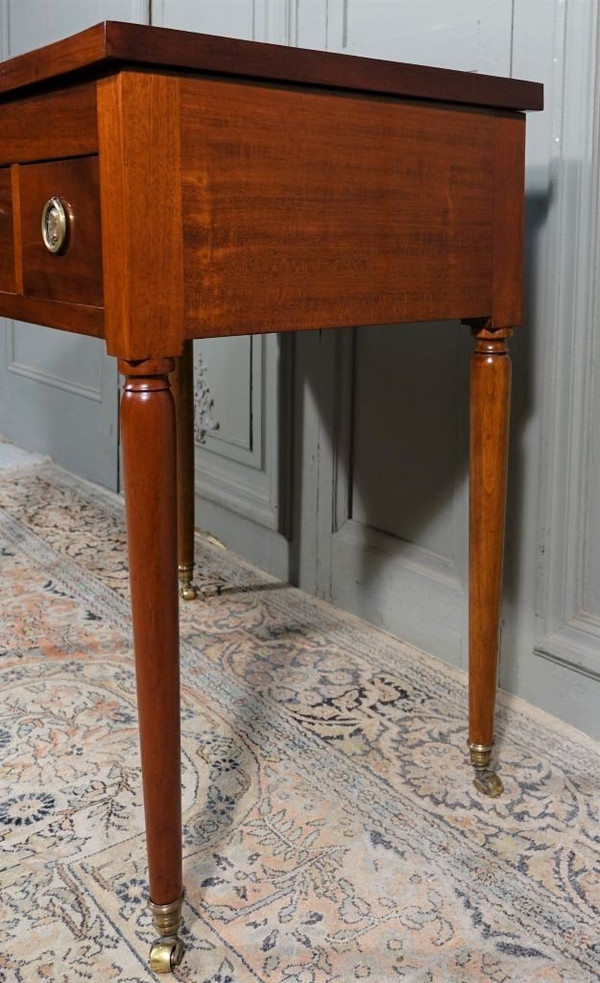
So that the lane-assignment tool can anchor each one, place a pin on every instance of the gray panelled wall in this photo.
(339, 460)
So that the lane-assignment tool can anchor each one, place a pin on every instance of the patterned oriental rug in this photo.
(332, 832)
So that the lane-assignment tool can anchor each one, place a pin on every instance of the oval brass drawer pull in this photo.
(55, 225)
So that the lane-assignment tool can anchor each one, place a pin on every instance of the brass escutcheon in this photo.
(55, 225)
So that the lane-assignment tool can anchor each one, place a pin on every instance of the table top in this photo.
(114, 45)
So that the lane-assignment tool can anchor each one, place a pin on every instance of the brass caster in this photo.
(488, 783)
(188, 592)
(485, 781)
(165, 954)
(186, 588)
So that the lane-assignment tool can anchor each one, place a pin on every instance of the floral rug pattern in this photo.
(331, 830)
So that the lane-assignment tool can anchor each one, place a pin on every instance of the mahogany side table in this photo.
(159, 186)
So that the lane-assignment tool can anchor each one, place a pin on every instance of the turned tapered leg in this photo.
(490, 399)
(149, 464)
(182, 381)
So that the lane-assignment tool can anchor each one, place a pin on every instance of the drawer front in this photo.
(49, 125)
(7, 244)
(74, 274)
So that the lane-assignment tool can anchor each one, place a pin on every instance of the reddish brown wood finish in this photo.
(509, 197)
(49, 125)
(309, 210)
(149, 466)
(182, 382)
(7, 244)
(218, 237)
(490, 402)
(75, 274)
(139, 125)
(79, 318)
(159, 47)
(15, 175)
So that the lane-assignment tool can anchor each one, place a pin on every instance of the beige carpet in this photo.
(331, 829)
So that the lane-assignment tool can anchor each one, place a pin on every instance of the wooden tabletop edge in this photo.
(120, 42)
(263, 61)
(69, 54)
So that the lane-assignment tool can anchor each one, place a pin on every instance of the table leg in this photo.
(490, 402)
(149, 464)
(182, 381)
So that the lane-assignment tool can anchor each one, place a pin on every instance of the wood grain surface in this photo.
(490, 411)
(149, 470)
(15, 174)
(75, 274)
(124, 43)
(49, 125)
(182, 384)
(7, 249)
(77, 318)
(509, 203)
(142, 242)
(310, 210)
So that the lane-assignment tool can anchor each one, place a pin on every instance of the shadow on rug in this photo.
(331, 829)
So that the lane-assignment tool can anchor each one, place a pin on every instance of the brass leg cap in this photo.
(488, 783)
(186, 588)
(167, 917)
(480, 755)
(165, 954)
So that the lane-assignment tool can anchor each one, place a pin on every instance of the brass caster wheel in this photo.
(165, 954)
(187, 590)
(485, 781)
(488, 783)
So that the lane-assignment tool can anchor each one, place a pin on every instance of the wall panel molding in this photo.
(412, 591)
(568, 632)
(575, 646)
(4, 28)
(45, 377)
(276, 21)
(256, 483)
(337, 24)
(212, 433)
(55, 381)
(140, 11)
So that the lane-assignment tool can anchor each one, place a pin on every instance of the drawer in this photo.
(74, 274)
(7, 243)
